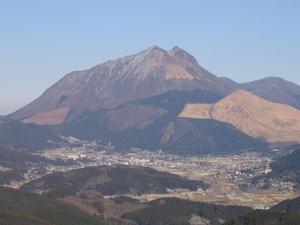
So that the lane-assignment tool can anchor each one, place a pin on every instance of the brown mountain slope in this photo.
(151, 72)
(251, 114)
(53, 117)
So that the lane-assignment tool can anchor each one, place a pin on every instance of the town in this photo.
(230, 177)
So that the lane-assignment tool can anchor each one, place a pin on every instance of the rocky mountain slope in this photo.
(251, 114)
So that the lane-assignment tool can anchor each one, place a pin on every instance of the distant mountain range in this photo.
(135, 101)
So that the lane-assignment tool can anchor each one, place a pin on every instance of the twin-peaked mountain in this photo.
(135, 101)
(114, 83)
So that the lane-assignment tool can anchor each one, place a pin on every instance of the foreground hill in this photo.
(285, 213)
(289, 205)
(27, 137)
(18, 207)
(266, 217)
(113, 180)
(251, 114)
(174, 211)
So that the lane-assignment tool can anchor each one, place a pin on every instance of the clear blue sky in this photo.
(42, 40)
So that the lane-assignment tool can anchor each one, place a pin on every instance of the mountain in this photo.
(135, 101)
(151, 72)
(274, 89)
(18, 207)
(113, 180)
(29, 137)
(153, 123)
(174, 211)
(251, 114)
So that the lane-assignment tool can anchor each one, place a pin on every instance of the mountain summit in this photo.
(151, 72)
